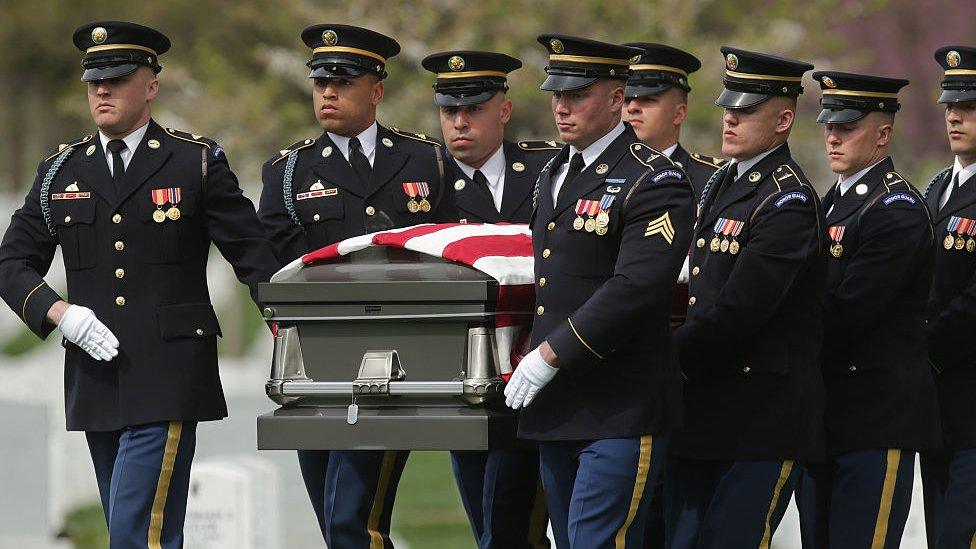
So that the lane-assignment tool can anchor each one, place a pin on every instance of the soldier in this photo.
(949, 476)
(880, 402)
(493, 182)
(611, 227)
(750, 345)
(357, 177)
(657, 104)
(134, 208)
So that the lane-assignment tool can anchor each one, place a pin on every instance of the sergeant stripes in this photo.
(662, 226)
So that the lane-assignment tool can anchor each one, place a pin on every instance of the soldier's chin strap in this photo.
(46, 188)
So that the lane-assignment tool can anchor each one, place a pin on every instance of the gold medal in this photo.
(413, 206)
(602, 219)
(424, 205)
(724, 246)
(159, 216)
(836, 249)
(601, 230)
(970, 245)
(173, 213)
(733, 247)
(960, 243)
(713, 246)
(578, 223)
(947, 243)
(590, 225)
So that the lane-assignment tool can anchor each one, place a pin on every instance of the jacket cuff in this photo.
(35, 307)
(571, 346)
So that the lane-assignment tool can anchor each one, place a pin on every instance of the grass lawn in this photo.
(428, 512)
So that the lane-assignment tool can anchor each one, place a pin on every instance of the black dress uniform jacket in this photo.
(303, 220)
(952, 314)
(750, 347)
(473, 207)
(879, 388)
(146, 281)
(698, 167)
(604, 302)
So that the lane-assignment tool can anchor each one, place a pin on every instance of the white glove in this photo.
(80, 326)
(530, 376)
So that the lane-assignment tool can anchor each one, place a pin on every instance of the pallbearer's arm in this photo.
(657, 224)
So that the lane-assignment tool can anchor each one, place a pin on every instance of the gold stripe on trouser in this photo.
(162, 485)
(887, 493)
(537, 520)
(382, 484)
(784, 475)
(643, 469)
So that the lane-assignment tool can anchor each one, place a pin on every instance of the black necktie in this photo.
(575, 167)
(116, 146)
(481, 182)
(359, 162)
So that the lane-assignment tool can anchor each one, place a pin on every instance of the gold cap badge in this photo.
(99, 35)
(556, 45)
(953, 58)
(829, 82)
(456, 62)
(330, 37)
(731, 61)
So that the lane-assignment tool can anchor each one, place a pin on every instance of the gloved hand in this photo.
(531, 375)
(80, 326)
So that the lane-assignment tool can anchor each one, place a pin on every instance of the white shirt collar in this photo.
(367, 140)
(131, 143)
(596, 148)
(494, 171)
(847, 182)
(965, 172)
(742, 166)
(670, 150)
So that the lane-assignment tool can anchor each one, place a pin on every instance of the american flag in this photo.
(502, 251)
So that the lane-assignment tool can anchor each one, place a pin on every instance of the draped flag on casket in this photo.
(501, 251)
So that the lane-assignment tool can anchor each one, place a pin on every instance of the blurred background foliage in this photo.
(236, 71)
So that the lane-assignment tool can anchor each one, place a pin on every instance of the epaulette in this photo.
(296, 146)
(708, 160)
(645, 155)
(191, 137)
(70, 143)
(783, 174)
(893, 178)
(539, 145)
(416, 136)
(938, 177)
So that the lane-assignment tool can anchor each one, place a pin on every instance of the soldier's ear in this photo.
(506, 111)
(377, 93)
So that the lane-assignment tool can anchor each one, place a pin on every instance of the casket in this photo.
(384, 348)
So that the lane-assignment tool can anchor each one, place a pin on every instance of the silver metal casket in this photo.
(384, 348)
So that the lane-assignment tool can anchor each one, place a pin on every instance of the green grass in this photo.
(84, 527)
(428, 512)
(21, 342)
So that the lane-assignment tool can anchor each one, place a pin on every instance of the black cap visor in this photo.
(840, 116)
(644, 89)
(565, 82)
(109, 71)
(731, 99)
(463, 99)
(957, 96)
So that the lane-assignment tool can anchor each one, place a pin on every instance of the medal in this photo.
(836, 249)
(590, 225)
(960, 243)
(173, 213)
(159, 197)
(580, 208)
(603, 218)
(601, 230)
(714, 245)
(947, 243)
(836, 234)
(412, 190)
(413, 206)
(424, 206)
(724, 246)
(578, 223)
(733, 247)
(734, 229)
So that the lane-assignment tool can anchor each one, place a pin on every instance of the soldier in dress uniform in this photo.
(657, 104)
(493, 182)
(134, 208)
(880, 405)
(749, 348)
(357, 177)
(611, 226)
(949, 476)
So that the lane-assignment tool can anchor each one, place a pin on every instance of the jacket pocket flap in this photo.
(187, 320)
